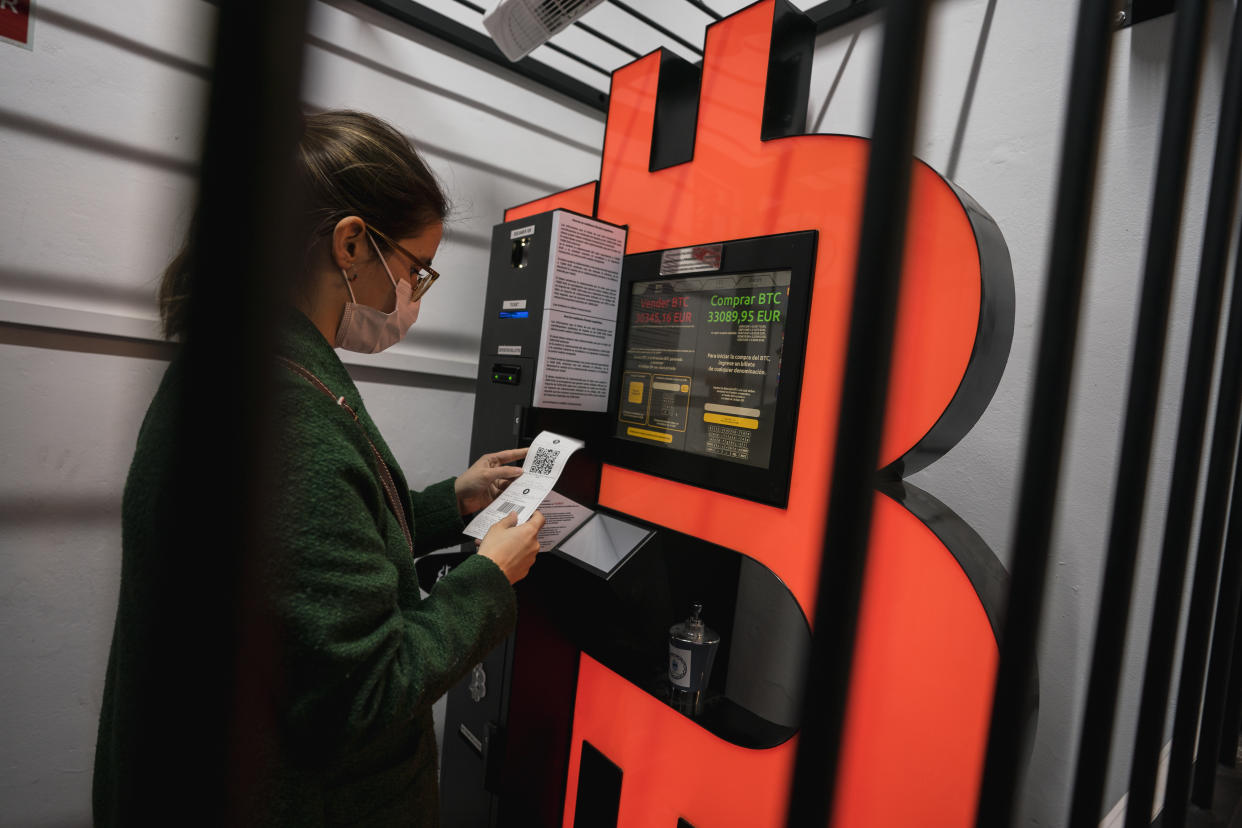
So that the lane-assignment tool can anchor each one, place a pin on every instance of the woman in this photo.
(361, 655)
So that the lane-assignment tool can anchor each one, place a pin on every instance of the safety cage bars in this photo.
(223, 432)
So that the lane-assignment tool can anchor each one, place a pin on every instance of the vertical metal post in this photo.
(1181, 95)
(1214, 740)
(1007, 736)
(1224, 638)
(864, 397)
(1232, 725)
(1096, 733)
(1187, 459)
(212, 661)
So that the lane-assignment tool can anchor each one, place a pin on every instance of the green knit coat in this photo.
(362, 655)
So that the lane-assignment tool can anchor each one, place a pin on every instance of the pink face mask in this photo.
(367, 330)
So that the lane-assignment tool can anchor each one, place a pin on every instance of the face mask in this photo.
(367, 330)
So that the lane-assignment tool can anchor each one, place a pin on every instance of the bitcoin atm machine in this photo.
(654, 676)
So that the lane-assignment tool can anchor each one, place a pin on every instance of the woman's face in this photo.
(373, 287)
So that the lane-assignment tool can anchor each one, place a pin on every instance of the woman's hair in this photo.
(348, 164)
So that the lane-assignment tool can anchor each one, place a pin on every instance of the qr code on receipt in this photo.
(544, 460)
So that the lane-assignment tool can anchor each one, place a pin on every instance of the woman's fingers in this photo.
(505, 473)
(506, 456)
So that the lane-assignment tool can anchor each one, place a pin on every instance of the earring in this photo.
(353, 276)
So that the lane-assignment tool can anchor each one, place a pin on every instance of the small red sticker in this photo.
(15, 21)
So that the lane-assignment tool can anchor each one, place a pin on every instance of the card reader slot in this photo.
(506, 373)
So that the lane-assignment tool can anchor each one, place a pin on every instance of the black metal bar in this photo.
(613, 43)
(558, 49)
(1230, 730)
(1224, 639)
(1181, 95)
(594, 32)
(835, 13)
(210, 654)
(588, 64)
(1008, 737)
(1100, 711)
(447, 89)
(1218, 232)
(826, 16)
(637, 15)
(706, 9)
(464, 37)
(1218, 734)
(864, 398)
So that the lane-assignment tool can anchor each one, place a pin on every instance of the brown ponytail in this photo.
(349, 164)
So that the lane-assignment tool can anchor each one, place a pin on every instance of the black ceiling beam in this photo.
(463, 37)
(826, 16)
(835, 13)
(614, 43)
(579, 59)
(706, 9)
(644, 19)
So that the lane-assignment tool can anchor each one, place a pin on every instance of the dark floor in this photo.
(1228, 798)
(1226, 806)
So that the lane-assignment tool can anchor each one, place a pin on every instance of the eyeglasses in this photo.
(422, 276)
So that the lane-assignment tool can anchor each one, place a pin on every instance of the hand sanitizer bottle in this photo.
(692, 648)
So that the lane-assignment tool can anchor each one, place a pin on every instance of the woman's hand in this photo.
(481, 483)
(512, 547)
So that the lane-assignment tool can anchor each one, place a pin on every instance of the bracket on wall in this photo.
(1138, 11)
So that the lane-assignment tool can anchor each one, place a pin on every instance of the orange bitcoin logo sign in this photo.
(692, 158)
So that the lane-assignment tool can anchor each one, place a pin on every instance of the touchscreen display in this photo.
(603, 542)
(702, 364)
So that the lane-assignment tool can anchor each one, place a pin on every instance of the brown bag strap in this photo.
(390, 487)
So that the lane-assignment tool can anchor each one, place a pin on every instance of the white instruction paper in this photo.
(579, 313)
(545, 461)
(560, 517)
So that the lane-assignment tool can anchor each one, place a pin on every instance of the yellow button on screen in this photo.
(730, 420)
(636, 392)
(646, 434)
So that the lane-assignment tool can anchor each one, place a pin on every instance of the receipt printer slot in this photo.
(506, 374)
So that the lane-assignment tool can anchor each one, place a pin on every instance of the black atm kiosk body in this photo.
(615, 587)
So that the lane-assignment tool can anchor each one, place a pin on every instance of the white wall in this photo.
(68, 418)
(99, 129)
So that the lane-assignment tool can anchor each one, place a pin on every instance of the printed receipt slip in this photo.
(545, 461)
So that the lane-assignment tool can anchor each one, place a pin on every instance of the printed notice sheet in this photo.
(561, 516)
(545, 461)
(580, 313)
